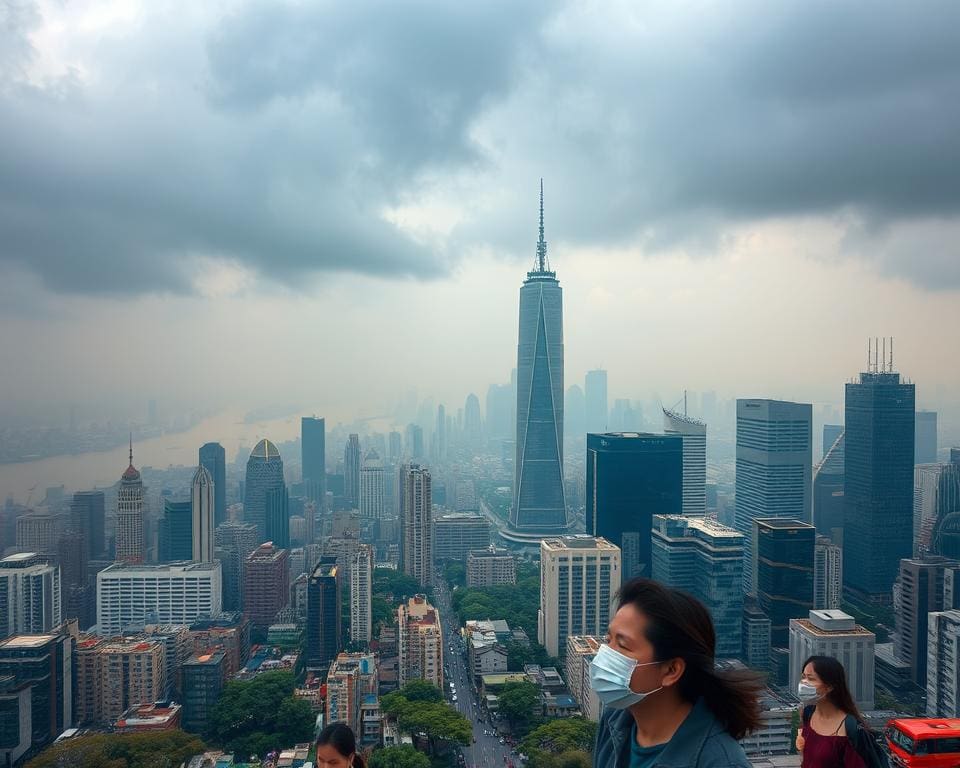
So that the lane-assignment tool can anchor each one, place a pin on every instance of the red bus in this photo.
(924, 742)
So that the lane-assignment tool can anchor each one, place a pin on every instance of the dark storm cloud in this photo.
(277, 136)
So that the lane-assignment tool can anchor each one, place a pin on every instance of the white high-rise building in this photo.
(580, 652)
(579, 577)
(836, 634)
(371, 486)
(827, 574)
(203, 508)
(361, 589)
(694, 436)
(30, 602)
(135, 595)
(943, 664)
(417, 520)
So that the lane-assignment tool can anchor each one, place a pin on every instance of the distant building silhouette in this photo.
(203, 506)
(351, 471)
(925, 437)
(130, 515)
(313, 457)
(214, 459)
(264, 471)
(595, 398)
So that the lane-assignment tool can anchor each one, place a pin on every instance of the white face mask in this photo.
(807, 693)
(610, 673)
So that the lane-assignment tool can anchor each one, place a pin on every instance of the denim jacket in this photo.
(700, 742)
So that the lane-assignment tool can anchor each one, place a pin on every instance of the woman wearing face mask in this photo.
(664, 701)
(827, 706)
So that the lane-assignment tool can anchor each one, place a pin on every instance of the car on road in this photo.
(455, 698)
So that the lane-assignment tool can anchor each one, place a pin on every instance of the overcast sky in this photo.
(332, 203)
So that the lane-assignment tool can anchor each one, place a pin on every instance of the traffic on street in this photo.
(488, 747)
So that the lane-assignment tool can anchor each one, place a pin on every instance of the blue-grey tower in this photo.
(264, 472)
(538, 498)
(214, 459)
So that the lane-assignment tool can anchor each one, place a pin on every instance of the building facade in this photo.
(351, 471)
(579, 576)
(202, 511)
(783, 564)
(136, 595)
(921, 592)
(878, 483)
(417, 521)
(323, 614)
(129, 526)
(30, 595)
(835, 634)
(828, 491)
(774, 465)
(458, 533)
(827, 574)
(313, 457)
(943, 664)
(361, 594)
(631, 477)
(420, 642)
(704, 558)
(213, 458)
(372, 487)
(88, 510)
(176, 531)
(264, 471)
(266, 584)
(693, 433)
(203, 680)
(539, 505)
(580, 652)
(491, 566)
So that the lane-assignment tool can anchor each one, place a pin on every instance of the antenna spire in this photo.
(131, 449)
(541, 243)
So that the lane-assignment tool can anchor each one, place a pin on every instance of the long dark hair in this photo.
(831, 671)
(340, 737)
(679, 626)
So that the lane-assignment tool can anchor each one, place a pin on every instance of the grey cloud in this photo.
(277, 136)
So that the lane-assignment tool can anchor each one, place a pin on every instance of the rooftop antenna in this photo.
(131, 449)
(869, 355)
(541, 243)
(876, 354)
(684, 402)
(891, 354)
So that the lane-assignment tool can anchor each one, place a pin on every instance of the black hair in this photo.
(832, 673)
(679, 626)
(340, 737)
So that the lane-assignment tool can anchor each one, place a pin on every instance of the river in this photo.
(103, 468)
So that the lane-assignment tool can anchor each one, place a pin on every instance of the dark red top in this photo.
(828, 751)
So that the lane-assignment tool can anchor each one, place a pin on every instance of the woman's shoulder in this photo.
(721, 750)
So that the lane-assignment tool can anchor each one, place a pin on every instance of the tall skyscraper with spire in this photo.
(203, 506)
(538, 498)
(130, 515)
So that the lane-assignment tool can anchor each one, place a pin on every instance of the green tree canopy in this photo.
(419, 709)
(255, 716)
(421, 690)
(556, 736)
(395, 585)
(520, 704)
(160, 749)
(455, 573)
(404, 756)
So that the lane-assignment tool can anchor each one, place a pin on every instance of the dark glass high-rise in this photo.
(630, 478)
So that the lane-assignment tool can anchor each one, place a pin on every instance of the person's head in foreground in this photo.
(664, 700)
(337, 748)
